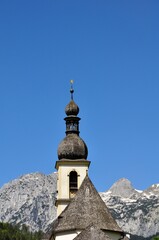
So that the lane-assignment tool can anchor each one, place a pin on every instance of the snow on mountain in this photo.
(31, 199)
(135, 211)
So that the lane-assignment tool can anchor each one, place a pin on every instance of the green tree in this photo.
(10, 232)
(155, 237)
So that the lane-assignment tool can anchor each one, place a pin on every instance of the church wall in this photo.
(67, 235)
(61, 207)
(63, 178)
(72, 234)
(63, 182)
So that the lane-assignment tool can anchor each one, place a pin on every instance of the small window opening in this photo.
(73, 183)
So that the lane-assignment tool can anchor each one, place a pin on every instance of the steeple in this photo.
(72, 164)
(72, 110)
(72, 147)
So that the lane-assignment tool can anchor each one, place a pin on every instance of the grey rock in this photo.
(29, 200)
(123, 188)
(135, 211)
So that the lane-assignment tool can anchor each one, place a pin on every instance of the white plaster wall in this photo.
(66, 236)
(63, 179)
(60, 208)
(63, 182)
(64, 169)
(72, 234)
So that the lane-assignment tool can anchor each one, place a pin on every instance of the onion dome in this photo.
(72, 146)
(72, 108)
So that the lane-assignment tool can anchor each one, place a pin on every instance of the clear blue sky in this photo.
(111, 50)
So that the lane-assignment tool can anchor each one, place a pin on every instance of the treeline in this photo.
(135, 237)
(156, 237)
(10, 232)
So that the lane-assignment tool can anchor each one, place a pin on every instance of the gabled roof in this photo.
(85, 209)
(92, 233)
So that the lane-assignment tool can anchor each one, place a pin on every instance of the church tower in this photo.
(86, 215)
(72, 164)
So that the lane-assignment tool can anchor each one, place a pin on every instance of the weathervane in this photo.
(71, 90)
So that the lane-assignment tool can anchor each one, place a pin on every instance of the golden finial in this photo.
(71, 90)
(71, 81)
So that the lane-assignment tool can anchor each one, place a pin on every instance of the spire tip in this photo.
(72, 90)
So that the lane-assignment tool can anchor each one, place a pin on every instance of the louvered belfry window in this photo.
(73, 183)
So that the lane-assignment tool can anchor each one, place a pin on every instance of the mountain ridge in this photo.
(135, 211)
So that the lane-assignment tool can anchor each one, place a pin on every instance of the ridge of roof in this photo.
(85, 209)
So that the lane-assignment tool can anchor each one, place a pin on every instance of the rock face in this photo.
(137, 212)
(31, 199)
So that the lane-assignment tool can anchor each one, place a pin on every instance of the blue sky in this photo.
(111, 50)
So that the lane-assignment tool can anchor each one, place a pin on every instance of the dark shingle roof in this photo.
(85, 209)
(72, 147)
(92, 233)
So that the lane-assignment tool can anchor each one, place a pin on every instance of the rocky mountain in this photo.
(137, 212)
(31, 199)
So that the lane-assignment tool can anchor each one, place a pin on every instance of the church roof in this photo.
(72, 108)
(72, 147)
(92, 233)
(85, 209)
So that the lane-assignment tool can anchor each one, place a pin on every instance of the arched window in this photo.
(73, 184)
